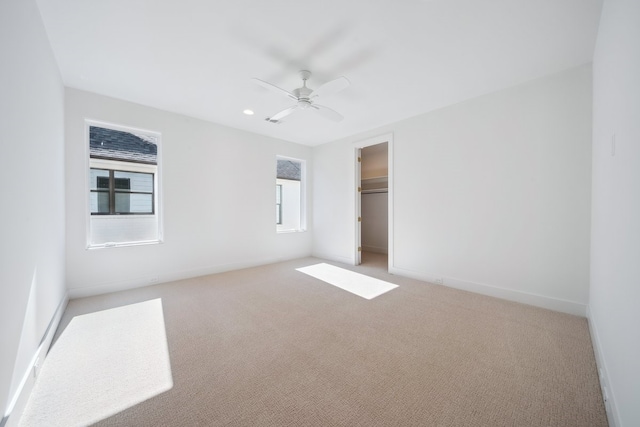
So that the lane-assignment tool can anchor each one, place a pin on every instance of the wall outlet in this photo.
(154, 279)
(439, 281)
(613, 144)
(36, 368)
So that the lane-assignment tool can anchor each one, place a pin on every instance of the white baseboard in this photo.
(21, 397)
(550, 303)
(333, 257)
(609, 399)
(105, 288)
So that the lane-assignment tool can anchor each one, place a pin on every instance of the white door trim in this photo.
(359, 145)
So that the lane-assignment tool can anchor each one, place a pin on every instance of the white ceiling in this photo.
(403, 57)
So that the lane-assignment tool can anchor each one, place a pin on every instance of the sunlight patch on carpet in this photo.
(356, 283)
(103, 363)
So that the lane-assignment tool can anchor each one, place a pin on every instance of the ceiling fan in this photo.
(305, 97)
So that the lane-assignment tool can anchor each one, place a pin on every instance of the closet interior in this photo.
(374, 178)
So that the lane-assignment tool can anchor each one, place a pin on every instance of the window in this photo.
(112, 192)
(290, 207)
(123, 186)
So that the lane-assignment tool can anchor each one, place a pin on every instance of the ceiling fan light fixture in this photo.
(305, 97)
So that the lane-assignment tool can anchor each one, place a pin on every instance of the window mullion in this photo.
(112, 193)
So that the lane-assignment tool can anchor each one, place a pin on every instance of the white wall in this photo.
(32, 191)
(615, 231)
(375, 222)
(491, 195)
(218, 196)
(333, 202)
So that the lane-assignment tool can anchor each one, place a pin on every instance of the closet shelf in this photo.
(376, 179)
(376, 184)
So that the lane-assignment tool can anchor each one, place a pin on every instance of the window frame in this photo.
(122, 166)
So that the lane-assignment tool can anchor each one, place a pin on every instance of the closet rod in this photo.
(381, 190)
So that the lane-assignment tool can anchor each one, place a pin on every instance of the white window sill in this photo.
(123, 216)
(123, 244)
(290, 231)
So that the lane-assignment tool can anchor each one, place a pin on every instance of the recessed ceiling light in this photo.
(248, 112)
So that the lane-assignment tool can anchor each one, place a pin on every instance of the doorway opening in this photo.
(373, 203)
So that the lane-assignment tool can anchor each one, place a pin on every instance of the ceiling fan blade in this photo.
(274, 88)
(327, 112)
(329, 88)
(284, 113)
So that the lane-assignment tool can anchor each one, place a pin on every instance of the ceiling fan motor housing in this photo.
(302, 93)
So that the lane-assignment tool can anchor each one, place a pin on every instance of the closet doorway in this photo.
(373, 204)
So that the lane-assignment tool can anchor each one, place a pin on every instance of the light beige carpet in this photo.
(105, 362)
(271, 346)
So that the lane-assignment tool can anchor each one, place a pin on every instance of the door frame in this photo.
(358, 146)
